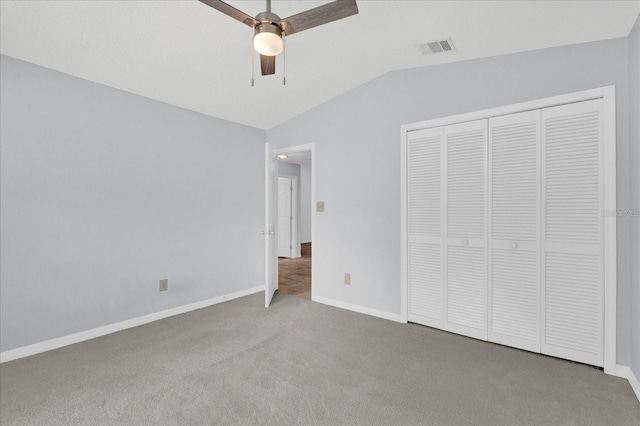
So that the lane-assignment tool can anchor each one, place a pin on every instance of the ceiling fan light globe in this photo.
(267, 40)
(267, 44)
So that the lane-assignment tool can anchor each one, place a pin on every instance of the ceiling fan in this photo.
(269, 28)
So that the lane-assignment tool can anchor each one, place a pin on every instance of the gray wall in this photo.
(103, 193)
(305, 203)
(359, 232)
(634, 168)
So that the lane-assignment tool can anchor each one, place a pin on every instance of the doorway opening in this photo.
(294, 222)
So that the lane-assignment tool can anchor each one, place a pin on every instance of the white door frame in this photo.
(295, 239)
(608, 95)
(304, 148)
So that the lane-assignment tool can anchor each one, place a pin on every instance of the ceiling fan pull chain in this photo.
(253, 60)
(284, 61)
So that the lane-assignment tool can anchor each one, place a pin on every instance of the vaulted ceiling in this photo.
(187, 54)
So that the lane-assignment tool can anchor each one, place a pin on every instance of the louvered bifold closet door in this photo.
(572, 251)
(424, 210)
(514, 278)
(465, 225)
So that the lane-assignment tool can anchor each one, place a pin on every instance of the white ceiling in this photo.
(187, 54)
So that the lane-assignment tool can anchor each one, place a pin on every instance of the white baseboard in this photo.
(70, 339)
(359, 309)
(621, 371)
(635, 384)
(626, 373)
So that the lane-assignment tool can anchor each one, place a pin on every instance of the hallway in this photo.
(294, 275)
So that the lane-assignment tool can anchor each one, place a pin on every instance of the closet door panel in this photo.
(425, 257)
(514, 304)
(572, 251)
(573, 306)
(466, 293)
(466, 152)
(514, 182)
(465, 212)
(425, 284)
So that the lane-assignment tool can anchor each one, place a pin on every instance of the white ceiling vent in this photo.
(434, 47)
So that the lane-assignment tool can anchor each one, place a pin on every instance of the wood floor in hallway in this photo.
(294, 275)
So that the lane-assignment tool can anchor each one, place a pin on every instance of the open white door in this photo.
(270, 218)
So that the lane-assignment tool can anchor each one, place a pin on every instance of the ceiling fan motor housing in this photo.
(268, 17)
(268, 28)
(268, 34)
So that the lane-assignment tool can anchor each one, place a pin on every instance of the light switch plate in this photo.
(347, 279)
(320, 206)
(164, 285)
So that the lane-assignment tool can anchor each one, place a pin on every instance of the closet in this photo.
(503, 227)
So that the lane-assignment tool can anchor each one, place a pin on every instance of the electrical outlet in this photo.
(320, 206)
(347, 278)
(164, 285)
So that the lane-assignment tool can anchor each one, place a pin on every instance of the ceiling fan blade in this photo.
(231, 11)
(319, 15)
(268, 64)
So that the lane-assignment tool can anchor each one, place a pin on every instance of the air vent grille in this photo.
(434, 47)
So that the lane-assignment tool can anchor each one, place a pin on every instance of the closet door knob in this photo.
(465, 242)
(514, 245)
